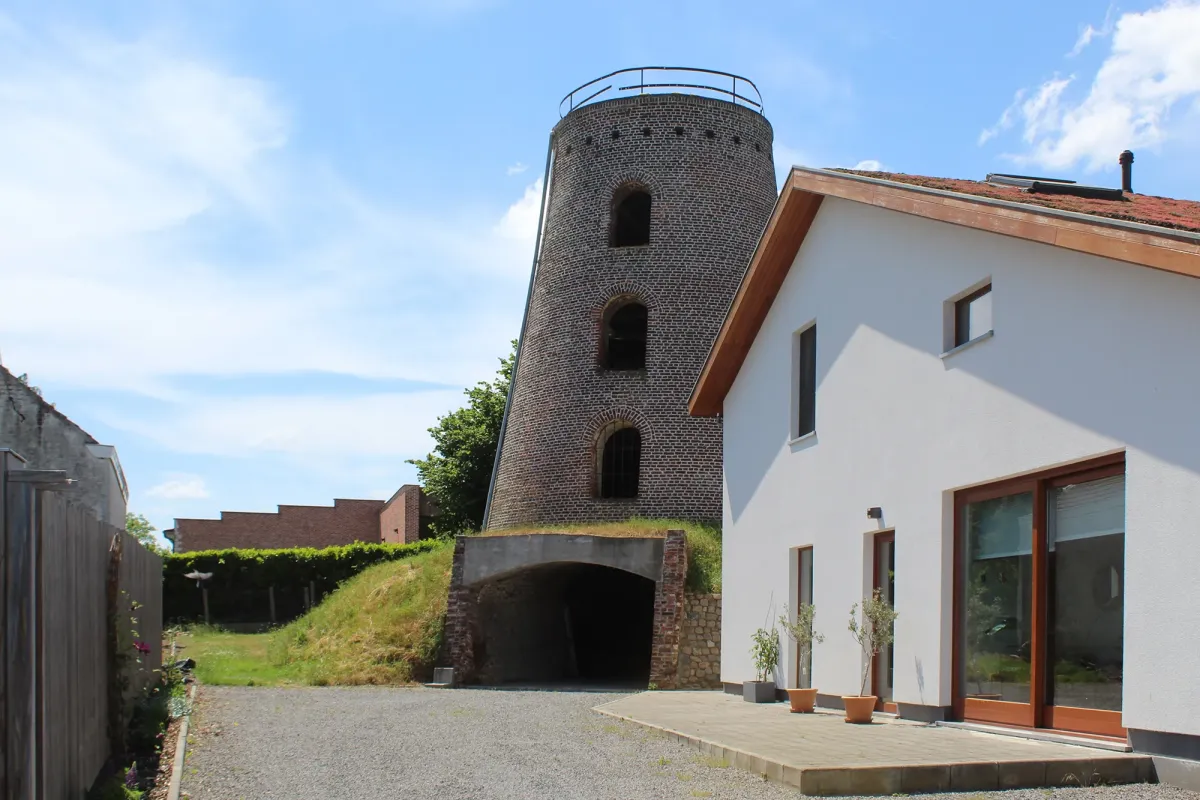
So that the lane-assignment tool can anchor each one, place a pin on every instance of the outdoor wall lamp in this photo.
(874, 512)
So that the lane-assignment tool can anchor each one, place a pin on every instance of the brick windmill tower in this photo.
(658, 184)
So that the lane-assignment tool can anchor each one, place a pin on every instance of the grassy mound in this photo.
(382, 626)
(704, 543)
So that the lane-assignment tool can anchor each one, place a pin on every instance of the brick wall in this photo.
(463, 635)
(344, 522)
(462, 619)
(700, 642)
(400, 519)
(668, 612)
(708, 167)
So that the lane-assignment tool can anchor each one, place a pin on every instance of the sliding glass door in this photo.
(1040, 600)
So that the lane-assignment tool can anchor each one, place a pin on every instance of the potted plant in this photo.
(872, 631)
(764, 650)
(801, 632)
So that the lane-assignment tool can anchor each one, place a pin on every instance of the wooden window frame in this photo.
(962, 314)
(1036, 713)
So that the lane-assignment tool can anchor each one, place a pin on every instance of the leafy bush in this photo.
(764, 652)
(240, 572)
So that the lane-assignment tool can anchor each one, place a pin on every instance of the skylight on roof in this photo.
(1028, 183)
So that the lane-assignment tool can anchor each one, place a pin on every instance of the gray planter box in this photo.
(758, 691)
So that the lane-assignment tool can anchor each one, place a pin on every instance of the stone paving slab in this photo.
(821, 754)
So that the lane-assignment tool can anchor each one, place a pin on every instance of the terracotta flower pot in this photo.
(859, 709)
(802, 700)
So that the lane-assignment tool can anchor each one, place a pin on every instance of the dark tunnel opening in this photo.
(564, 623)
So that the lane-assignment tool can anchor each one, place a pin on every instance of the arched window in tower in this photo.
(625, 337)
(620, 461)
(631, 217)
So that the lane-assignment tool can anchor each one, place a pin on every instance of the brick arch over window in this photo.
(618, 461)
(630, 222)
(618, 300)
(617, 439)
(623, 335)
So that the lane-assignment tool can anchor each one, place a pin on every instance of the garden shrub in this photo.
(241, 578)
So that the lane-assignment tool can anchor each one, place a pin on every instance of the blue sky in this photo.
(260, 246)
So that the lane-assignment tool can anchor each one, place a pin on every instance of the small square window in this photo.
(973, 315)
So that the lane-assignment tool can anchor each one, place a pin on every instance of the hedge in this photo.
(241, 578)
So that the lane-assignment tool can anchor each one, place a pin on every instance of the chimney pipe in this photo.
(1126, 161)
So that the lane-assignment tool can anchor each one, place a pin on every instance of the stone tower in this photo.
(654, 204)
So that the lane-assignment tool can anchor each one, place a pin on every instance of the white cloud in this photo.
(332, 429)
(1144, 94)
(519, 222)
(131, 175)
(1006, 119)
(516, 169)
(869, 165)
(180, 487)
(1089, 33)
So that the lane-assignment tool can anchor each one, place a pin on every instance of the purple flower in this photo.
(131, 776)
(141, 646)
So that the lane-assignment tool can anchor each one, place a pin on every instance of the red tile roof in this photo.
(1164, 212)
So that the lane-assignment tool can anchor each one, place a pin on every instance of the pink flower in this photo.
(141, 646)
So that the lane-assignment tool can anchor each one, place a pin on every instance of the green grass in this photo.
(383, 626)
(234, 659)
(704, 543)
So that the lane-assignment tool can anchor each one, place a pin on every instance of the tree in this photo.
(458, 471)
(140, 528)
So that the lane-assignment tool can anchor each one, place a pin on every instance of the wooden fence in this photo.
(66, 579)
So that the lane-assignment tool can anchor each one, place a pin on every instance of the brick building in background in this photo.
(402, 519)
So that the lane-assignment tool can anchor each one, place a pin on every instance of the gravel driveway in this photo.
(313, 744)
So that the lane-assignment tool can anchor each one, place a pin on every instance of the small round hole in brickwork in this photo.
(646, 131)
(710, 134)
(679, 131)
(616, 134)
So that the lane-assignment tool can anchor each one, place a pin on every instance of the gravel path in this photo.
(313, 744)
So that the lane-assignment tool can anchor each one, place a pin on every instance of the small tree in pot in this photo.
(764, 651)
(873, 631)
(803, 700)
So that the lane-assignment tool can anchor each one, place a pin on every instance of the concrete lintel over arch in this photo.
(487, 557)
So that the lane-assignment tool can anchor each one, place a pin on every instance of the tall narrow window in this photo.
(631, 218)
(625, 337)
(883, 667)
(973, 315)
(806, 381)
(804, 596)
(620, 461)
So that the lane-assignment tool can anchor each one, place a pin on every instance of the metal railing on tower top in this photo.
(655, 80)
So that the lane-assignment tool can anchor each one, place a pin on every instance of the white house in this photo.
(985, 400)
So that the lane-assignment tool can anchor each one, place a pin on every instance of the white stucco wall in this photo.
(1089, 356)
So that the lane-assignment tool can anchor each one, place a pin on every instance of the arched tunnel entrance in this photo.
(565, 622)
